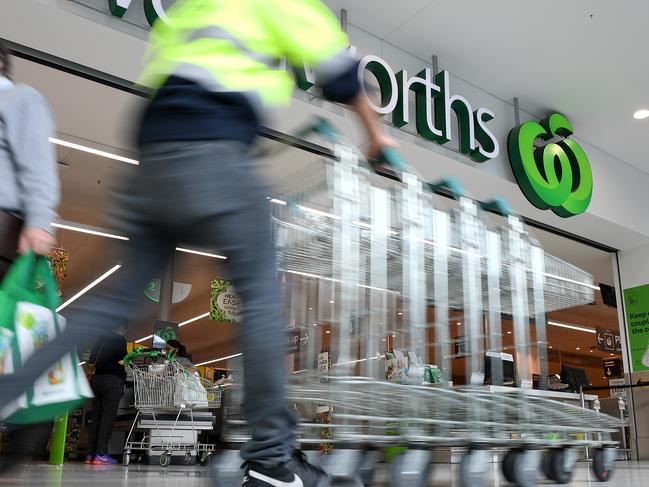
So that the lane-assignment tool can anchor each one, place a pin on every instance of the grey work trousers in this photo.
(205, 194)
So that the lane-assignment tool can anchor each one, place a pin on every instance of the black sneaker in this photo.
(297, 472)
(280, 476)
(311, 475)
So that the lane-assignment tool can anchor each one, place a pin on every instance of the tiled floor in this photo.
(77, 475)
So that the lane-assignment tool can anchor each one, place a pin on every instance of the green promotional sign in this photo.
(225, 304)
(555, 176)
(636, 302)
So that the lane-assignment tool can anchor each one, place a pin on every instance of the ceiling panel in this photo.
(584, 58)
(380, 17)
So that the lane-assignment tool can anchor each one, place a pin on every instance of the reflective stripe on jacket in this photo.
(236, 46)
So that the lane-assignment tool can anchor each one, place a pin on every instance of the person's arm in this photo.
(37, 176)
(309, 33)
(372, 124)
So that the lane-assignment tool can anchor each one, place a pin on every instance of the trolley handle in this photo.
(143, 352)
(389, 156)
(395, 163)
(448, 186)
(498, 206)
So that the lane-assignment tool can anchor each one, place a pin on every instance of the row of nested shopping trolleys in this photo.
(369, 258)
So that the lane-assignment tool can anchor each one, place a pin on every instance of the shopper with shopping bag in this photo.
(29, 194)
(29, 185)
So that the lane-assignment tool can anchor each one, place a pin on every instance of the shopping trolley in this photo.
(163, 386)
(367, 259)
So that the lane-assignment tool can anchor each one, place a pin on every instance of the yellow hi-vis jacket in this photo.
(237, 46)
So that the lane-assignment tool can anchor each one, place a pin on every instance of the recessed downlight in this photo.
(641, 114)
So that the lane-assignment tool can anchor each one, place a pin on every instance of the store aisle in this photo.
(77, 475)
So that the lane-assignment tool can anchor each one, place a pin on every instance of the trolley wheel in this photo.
(126, 458)
(410, 469)
(603, 464)
(524, 468)
(204, 458)
(561, 473)
(507, 465)
(188, 458)
(546, 466)
(472, 469)
(165, 459)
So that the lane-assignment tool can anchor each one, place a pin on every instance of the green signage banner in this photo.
(636, 302)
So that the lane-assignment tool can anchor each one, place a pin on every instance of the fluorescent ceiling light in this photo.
(191, 320)
(89, 231)
(89, 287)
(220, 359)
(374, 227)
(99, 233)
(641, 114)
(572, 327)
(196, 318)
(317, 212)
(143, 339)
(82, 363)
(96, 152)
(278, 202)
(198, 252)
(565, 279)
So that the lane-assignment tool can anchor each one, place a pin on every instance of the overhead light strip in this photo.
(572, 327)
(97, 152)
(565, 279)
(196, 318)
(198, 252)
(220, 359)
(98, 233)
(89, 231)
(184, 323)
(105, 275)
(143, 339)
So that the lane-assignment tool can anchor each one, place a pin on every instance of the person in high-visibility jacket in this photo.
(215, 68)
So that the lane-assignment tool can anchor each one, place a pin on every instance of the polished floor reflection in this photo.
(77, 475)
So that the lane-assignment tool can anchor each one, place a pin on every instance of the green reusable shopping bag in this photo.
(28, 320)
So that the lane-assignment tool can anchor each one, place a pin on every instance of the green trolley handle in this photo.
(143, 352)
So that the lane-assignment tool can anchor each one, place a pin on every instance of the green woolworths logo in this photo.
(555, 176)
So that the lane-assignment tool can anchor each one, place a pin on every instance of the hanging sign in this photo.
(636, 302)
(225, 303)
(608, 340)
(163, 331)
(294, 339)
(613, 368)
(180, 292)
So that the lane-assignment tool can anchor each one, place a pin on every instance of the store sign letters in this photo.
(555, 176)
(433, 106)
(153, 9)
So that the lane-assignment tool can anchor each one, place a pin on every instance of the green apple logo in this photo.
(555, 176)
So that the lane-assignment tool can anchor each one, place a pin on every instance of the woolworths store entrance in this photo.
(585, 334)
